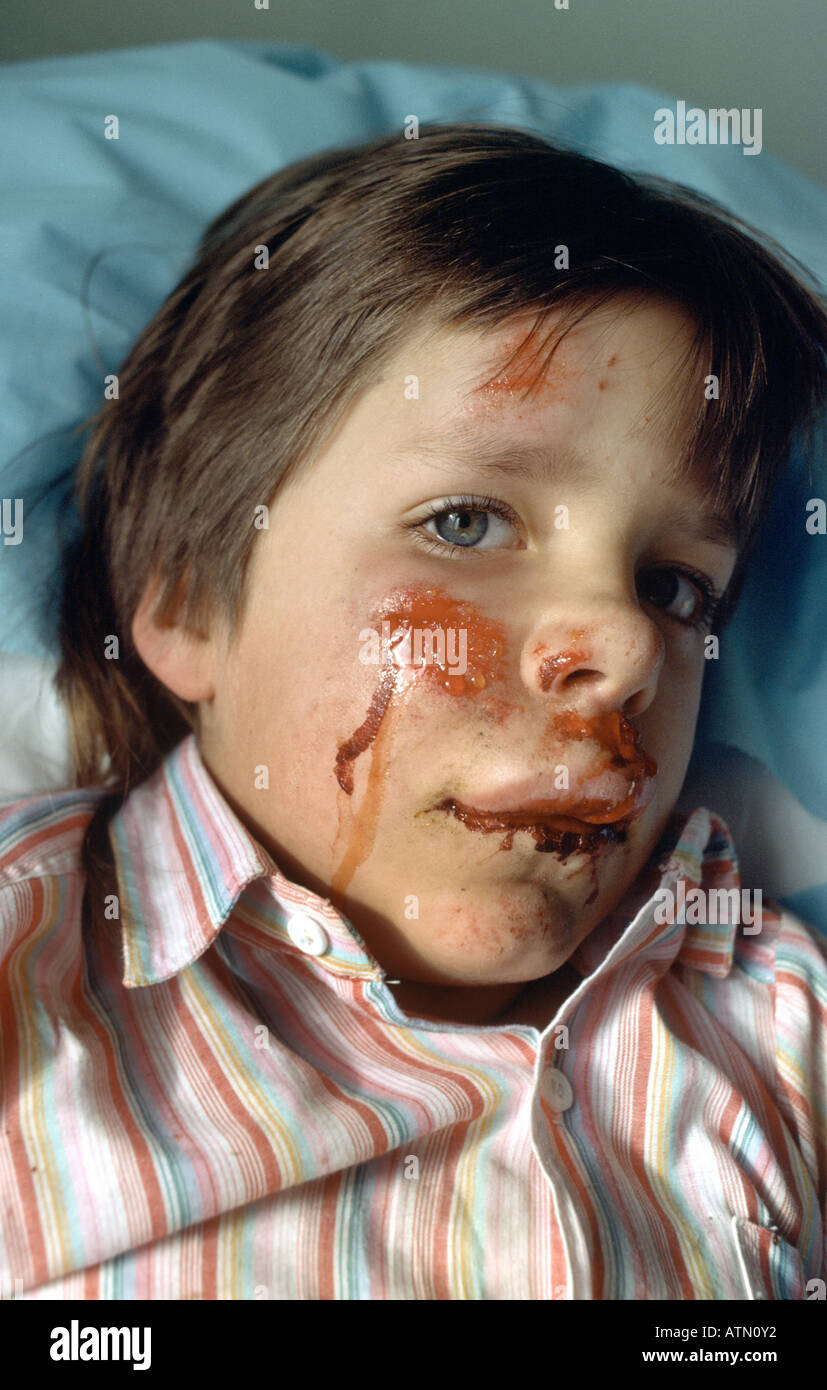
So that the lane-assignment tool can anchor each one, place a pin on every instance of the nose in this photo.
(609, 659)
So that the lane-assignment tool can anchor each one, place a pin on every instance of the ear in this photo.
(183, 661)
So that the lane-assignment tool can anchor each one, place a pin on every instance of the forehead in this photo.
(616, 397)
(626, 357)
(619, 374)
(643, 326)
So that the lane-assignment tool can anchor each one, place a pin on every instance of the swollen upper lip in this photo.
(601, 799)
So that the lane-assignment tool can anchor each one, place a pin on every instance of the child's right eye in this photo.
(462, 523)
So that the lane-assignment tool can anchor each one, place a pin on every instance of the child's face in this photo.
(566, 628)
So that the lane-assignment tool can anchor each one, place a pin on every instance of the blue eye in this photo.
(464, 527)
(464, 522)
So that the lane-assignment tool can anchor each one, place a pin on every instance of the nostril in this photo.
(582, 675)
(581, 679)
(563, 664)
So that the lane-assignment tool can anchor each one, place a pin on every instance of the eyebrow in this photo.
(456, 444)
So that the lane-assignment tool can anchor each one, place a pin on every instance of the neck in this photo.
(533, 1001)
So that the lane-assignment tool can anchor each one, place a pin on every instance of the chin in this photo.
(497, 934)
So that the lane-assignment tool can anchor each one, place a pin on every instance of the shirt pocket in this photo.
(770, 1268)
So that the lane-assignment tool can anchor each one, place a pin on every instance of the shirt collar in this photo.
(695, 852)
(183, 859)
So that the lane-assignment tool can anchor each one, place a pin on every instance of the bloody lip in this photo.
(562, 834)
(526, 819)
(594, 812)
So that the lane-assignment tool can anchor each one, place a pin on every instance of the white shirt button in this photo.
(307, 934)
(556, 1089)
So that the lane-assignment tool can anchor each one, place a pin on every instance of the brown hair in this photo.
(245, 372)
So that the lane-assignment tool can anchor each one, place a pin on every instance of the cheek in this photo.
(421, 639)
(423, 649)
(669, 725)
(287, 687)
(685, 690)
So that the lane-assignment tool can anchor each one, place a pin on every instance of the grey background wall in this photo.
(746, 53)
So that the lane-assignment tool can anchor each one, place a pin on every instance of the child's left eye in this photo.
(692, 594)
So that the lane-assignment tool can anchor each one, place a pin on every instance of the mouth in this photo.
(552, 832)
(594, 808)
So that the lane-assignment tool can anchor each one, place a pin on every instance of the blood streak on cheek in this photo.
(459, 637)
(433, 639)
(364, 736)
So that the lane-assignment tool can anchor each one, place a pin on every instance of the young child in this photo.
(369, 959)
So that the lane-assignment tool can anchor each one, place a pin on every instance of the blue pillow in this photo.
(96, 232)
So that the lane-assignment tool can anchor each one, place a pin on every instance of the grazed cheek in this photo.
(423, 635)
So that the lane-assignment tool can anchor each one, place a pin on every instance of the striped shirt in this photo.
(213, 1094)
